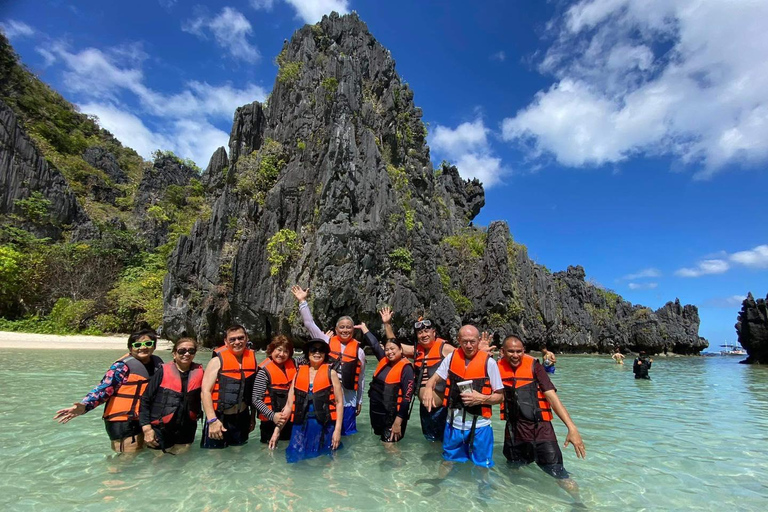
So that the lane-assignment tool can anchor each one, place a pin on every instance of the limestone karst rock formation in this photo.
(752, 329)
(329, 184)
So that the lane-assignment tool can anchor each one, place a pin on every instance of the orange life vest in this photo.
(322, 396)
(429, 360)
(170, 397)
(347, 363)
(477, 372)
(124, 404)
(278, 383)
(522, 396)
(385, 387)
(234, 384)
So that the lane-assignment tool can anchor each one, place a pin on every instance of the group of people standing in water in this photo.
(312, 401)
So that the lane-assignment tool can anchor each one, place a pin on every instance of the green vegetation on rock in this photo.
(283, 247)
(401, 259)
(258, 172)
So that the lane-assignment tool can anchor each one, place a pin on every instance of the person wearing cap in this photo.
(316, 407)
(226, 392)
(473, 385)
(641, 366)
(427, 355)
(347, 356)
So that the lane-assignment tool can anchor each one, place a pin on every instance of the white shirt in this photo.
(351, 397)
(496, 385)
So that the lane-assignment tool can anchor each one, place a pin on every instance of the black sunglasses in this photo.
(185, 351)
(422, 324)
(315, 350)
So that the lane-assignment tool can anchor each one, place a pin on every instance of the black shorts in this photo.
(267, 428)
(433, 423)
(238, 427)
(168, 437)
(546, 454)
(118, 430)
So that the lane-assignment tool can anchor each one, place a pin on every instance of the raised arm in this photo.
(306, 314)
(386, 320)
(372, 340)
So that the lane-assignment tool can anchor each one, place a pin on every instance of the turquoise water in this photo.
(693, 438)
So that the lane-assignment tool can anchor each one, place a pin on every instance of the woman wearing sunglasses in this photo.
(121, 389)
(170, 406)
(391, 389)
(315, 402)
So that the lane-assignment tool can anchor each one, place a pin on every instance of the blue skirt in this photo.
(310, 440)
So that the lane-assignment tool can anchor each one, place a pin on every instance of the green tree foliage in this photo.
(401, 259)
(258, 172)
(287, 71)
(282, 248)
(12, 276)
(35, 208)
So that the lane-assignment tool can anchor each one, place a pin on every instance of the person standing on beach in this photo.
(529, 399)
(618, 357)
(226, 392)
(641, 366)
(427, 355)
(121, 389)
(347, 356)
(473, 385)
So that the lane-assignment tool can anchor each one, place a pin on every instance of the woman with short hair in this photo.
(170, 406)
(270, 389)
(121, 389)
(316, 406)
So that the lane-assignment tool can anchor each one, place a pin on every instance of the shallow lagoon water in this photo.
(693, 438)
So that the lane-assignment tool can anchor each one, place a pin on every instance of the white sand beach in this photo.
(28, 340)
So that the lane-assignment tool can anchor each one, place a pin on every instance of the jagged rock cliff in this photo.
(329, 184)
(752, 329)
(24, 171)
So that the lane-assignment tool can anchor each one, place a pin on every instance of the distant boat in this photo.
(732, 350)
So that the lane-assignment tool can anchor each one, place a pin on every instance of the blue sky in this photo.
(627, 136)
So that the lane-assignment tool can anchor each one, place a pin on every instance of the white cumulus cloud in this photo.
(15, 29)
(757, 257)
(182, 121)
(312, 11)
(230, 29)
(677, 77)
(467, 147)
(645, 273)
(642, 286)
(705, 267)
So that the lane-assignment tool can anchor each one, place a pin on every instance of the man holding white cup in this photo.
(473, 385)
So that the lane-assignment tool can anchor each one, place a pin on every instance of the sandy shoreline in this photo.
(28, 340)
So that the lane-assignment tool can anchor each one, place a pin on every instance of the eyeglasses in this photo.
(185, 351)
(422, 324)
(140, 344)
(315, 350)
(237, 338)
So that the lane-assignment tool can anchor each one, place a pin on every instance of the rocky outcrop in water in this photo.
(330, 185)
(24, 172)
(752, 329)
